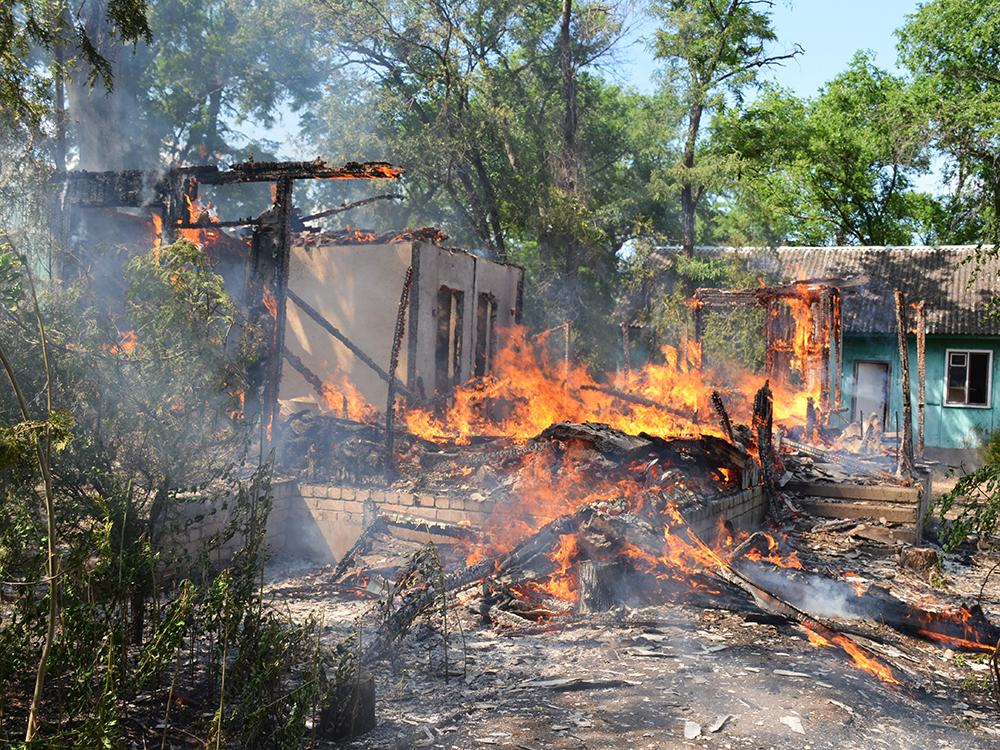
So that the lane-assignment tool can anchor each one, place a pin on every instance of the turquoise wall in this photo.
(944, 426)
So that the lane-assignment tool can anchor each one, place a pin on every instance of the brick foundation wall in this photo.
(327, 520)
(320, 523)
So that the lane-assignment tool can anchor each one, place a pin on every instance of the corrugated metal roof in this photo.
(955, 303)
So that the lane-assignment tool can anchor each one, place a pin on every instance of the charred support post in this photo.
(397, 342)
(837, 340)
(763, 417)
(566, 351)
(906, 439)
(921, 374)
(268, 285)
(724, 421)
(825, 329)
(626, 352)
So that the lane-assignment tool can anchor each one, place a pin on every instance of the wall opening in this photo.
(486, 326)
(448, 345)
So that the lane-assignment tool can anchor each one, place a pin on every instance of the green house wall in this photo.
(945, 426)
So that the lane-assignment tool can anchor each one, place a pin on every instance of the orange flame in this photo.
(862, 659)
(157, 224)
(345, 400)
(125, 345)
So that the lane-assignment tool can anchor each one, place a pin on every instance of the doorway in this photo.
(871, 391)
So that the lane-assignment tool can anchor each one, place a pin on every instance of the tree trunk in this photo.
(97, 111)
(689, 199)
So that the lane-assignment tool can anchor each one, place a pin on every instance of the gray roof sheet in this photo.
(954, 295)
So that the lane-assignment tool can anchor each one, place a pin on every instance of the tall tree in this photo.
(213, 65)
(952, 49)
(510, 139)
(710, 49)
(837, 168)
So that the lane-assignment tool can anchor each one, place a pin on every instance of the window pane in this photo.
(979, 378)
(957, 372)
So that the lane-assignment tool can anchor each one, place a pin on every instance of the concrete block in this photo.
(347, 493)
(456, 503)
(441, 502)
(424, 501)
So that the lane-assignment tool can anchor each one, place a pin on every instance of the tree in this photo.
(66, 34)
(213, 65)
(511, 140)
(709, 50)
(837, 168)
(952, 50)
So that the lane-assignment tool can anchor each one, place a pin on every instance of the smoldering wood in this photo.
(270, 257)
(351, 346)
(850, 463)
(308, 375)
(724, 421)
(136, 187)
(763, 415)
(633, 398)
(354, 204)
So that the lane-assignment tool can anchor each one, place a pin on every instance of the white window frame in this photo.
(989, 379)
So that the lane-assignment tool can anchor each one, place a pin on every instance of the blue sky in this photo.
(830, 32)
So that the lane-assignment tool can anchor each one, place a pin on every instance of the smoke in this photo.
(819, 596)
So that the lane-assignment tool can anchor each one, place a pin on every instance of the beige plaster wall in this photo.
(356, 288)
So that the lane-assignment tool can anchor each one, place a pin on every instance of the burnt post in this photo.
(825, 336)
(626, 351)
(763, 417)
(837, 340)
(921, 374)
(397, 342)
(906, 444)
(267, 297)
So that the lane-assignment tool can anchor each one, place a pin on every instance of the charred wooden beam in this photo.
(763, 416)
(308, 375)
(349, 206)
(137, 187)
(633, 398)
(351, 346)
(724, 421)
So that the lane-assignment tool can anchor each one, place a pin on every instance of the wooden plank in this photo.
(876, 492)
(830, 509)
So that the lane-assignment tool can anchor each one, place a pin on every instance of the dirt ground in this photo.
(673, 676)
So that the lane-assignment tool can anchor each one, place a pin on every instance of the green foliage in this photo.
(500, 152)
(837, 168)
(976, 500)
(708, 50)
(26, 82)
(951, 49)
(213, 65)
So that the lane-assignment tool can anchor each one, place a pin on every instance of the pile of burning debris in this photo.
(588, 576)
(591, 529)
